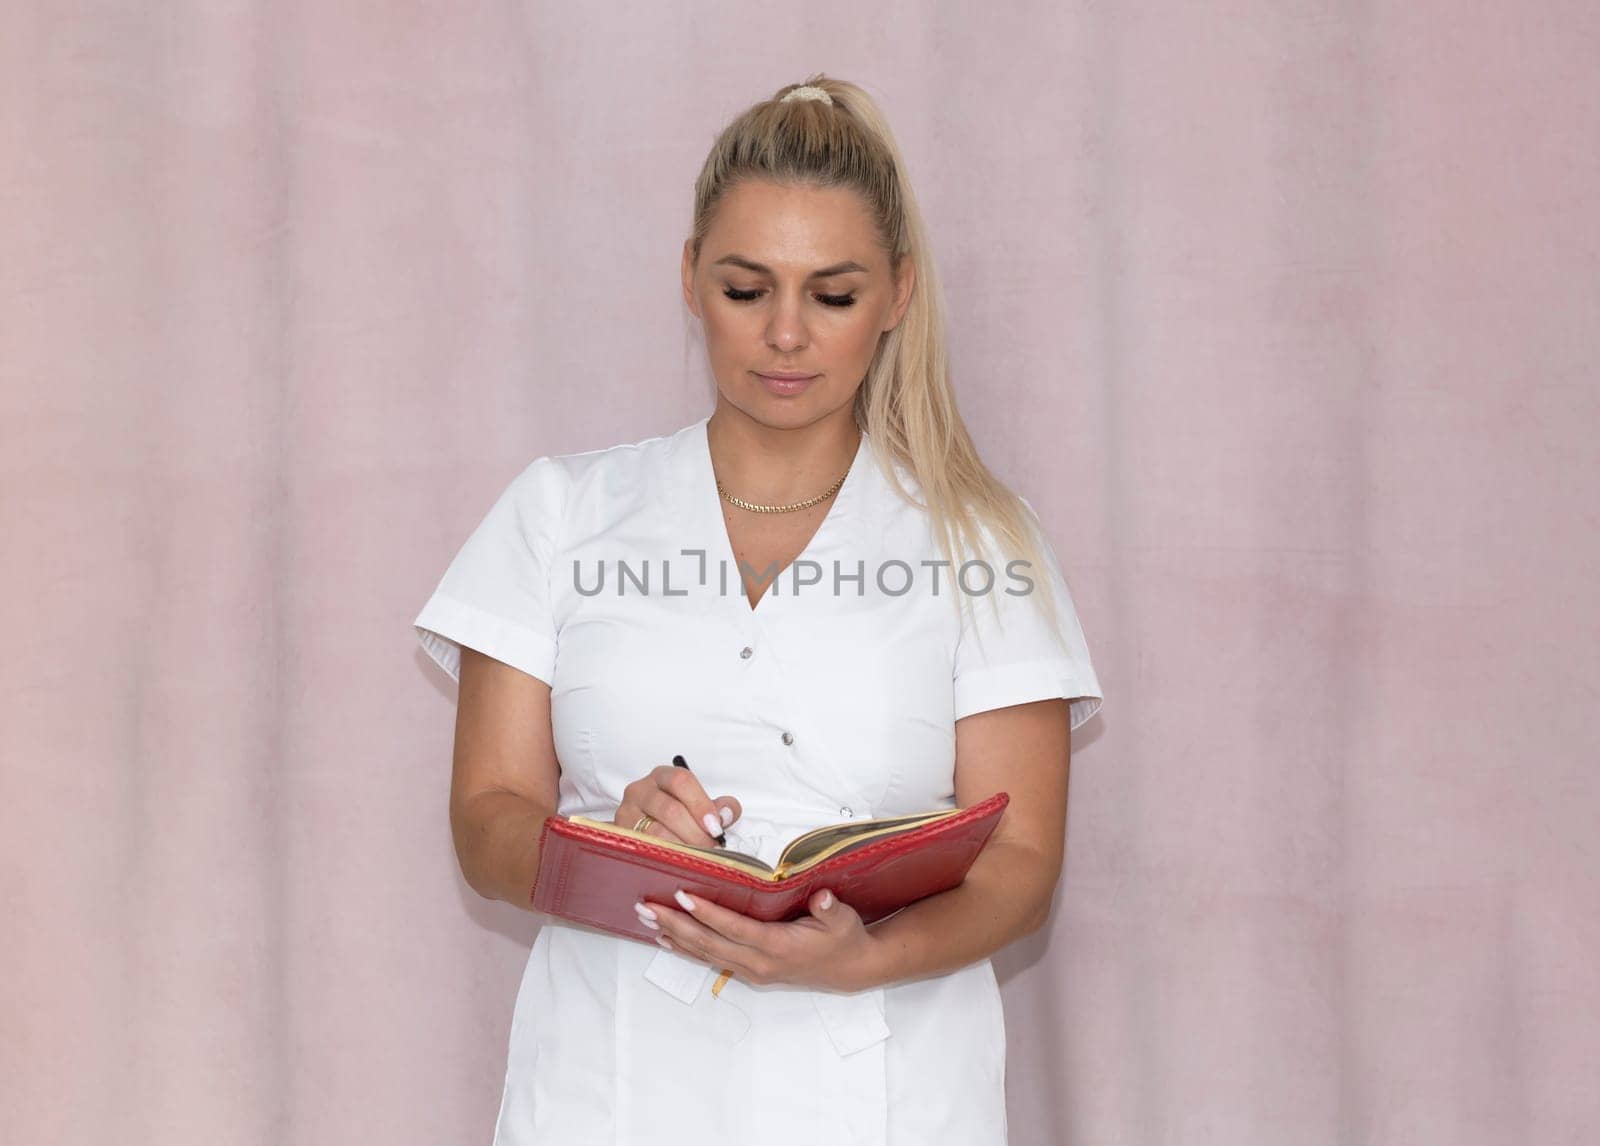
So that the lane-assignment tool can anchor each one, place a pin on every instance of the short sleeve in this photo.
(1016, 657)
(495, 594)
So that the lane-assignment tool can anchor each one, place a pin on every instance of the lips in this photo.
(787, 385)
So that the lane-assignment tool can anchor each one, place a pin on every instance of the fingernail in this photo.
(713, 828)
(827, 900)
(644, 912)
(727, 815)
(664, 941)
(683, 898)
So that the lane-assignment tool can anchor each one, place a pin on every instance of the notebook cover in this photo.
(594, 877)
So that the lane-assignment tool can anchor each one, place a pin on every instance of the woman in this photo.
(770, 593)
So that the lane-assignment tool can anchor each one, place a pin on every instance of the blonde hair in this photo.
(906, 404)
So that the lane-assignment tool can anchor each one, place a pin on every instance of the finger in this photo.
(682, 785)
(693, 937)
(734, 926)
(685, 787)
(628, 814)
(829, 910)
(672, 817)
(733, 966)
(655, 828)
(633, 808)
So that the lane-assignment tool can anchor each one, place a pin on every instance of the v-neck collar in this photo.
(829, 542)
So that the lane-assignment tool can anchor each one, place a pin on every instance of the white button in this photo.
(744, 653)
(846, 813)
(788, 738)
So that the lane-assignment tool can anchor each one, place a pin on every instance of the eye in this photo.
(840, 300)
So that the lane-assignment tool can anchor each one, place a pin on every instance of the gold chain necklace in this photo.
(808, 503)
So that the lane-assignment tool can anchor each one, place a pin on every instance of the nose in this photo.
(786, 330)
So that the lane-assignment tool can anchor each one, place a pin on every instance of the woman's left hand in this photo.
(830, 948)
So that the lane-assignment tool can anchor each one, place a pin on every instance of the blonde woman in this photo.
(821, 599)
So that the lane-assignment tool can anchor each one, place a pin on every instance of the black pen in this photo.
(680, 762)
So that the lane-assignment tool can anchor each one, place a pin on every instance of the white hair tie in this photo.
(808, 91)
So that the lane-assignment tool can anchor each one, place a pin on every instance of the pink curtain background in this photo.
(1284, 316)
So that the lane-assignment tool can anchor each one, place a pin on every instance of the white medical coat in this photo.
(609, 575)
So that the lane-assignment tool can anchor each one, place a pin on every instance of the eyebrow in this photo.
(843, 268)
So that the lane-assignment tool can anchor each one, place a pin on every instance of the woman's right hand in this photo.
(680, 806)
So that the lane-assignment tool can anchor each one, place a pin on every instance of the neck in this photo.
(775, 465)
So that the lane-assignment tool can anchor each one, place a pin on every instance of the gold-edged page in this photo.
(820, 843)
(726, 856)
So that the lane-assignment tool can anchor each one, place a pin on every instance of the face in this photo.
(792, 280)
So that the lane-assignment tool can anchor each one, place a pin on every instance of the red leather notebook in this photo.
(593, 872)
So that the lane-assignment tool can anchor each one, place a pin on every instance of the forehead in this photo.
(777, 224)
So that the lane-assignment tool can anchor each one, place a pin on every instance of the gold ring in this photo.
(644, 822)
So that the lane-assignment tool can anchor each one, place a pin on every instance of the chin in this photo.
(761, 405)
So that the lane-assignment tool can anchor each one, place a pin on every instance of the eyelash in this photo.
(837, 300)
